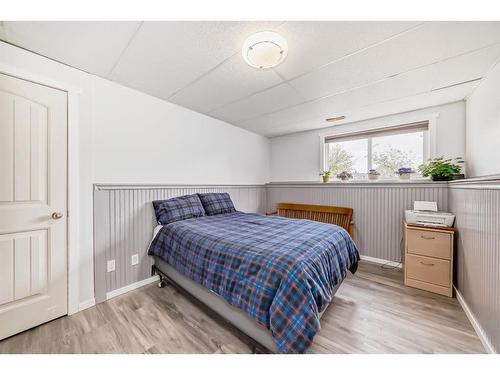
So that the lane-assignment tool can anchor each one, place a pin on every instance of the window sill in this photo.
(362, 183)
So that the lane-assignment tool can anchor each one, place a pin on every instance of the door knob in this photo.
(57, 215)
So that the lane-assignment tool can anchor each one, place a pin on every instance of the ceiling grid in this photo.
(354, 69)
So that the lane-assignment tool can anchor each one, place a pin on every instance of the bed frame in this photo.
(341, 216)
(258, 337)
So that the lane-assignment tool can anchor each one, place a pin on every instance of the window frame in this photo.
(429, 145)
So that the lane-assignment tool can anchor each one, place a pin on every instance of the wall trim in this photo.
(86, 304)
(491, 182)
(479, 179)
(334, 184)
(130, 287)
(475, 324)
(117, 186)
(389, 263)
(358, 184)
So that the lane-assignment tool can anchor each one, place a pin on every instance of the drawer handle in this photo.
(428, 238)
(426, 264)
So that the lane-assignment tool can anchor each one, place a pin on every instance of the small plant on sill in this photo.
(344, 176)
(404, 173)
(373, 175)
(326, 176)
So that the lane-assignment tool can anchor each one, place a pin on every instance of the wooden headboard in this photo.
(341, 216)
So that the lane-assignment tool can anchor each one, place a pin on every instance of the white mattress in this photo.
(155, 233)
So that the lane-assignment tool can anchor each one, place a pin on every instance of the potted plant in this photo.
(326, 176)
(344, 176)
(404, 173)
(373, 175)
(441, 169)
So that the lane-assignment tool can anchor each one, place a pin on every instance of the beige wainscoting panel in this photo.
(378, 208)
(124, 222)
(477, 209)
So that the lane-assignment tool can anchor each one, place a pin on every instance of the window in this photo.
(385, 150)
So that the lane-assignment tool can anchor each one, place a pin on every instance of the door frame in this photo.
(73, 175)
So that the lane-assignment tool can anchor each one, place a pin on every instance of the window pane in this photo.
(350, 156)
(394, 151)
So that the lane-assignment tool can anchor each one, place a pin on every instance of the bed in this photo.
(271, 277)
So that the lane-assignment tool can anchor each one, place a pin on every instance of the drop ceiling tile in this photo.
(465, 67)
(299, 113)
(164, 57)
(405, 85)
(271, 100)
(229, 82)
(414, 102)
(428, 99)
(443, 74)
(93, 46)
(313, 44)
(427, 44)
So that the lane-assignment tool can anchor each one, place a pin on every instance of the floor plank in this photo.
(373, 312)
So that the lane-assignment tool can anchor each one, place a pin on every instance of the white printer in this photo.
(426, 213)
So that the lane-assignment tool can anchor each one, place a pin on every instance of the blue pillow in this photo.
(178, 208)
(217, 203)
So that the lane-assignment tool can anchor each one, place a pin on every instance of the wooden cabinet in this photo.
(429, 258)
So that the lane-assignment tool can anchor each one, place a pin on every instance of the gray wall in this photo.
(378, 208)
(124, 218)
(476, 205)
(124, 222)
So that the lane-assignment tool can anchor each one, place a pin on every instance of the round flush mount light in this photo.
(264, 50)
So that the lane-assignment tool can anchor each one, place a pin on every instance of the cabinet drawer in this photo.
(430, 270)
(433, 244)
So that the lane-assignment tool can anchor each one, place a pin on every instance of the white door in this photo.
(33, 204)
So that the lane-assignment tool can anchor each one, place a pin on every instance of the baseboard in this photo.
(132, 286)
(475, 324)
(86, 304)
(381, 261)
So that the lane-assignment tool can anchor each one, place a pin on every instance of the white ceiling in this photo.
(356, 69)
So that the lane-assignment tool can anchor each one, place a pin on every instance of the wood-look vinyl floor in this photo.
(373, 312)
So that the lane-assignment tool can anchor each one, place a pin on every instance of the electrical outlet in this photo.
(134, 259)
(111, 265)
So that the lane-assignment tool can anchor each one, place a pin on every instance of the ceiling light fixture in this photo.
(331, 119)
(264, 50)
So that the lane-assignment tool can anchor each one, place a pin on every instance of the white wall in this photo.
(126, 136)
(141, 139)
(483, 127)
(296, 157)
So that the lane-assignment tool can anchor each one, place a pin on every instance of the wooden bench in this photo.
(341, 216)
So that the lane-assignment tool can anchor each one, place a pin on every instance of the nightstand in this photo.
(428, 261)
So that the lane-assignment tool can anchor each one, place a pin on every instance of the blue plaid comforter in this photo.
(280, 271)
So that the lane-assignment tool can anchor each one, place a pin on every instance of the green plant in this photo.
(325, 173)
(441, 167)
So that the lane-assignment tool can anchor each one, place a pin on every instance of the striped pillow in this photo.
(178, 208)
(217, 203)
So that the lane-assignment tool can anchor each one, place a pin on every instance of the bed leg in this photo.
(162, 283)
